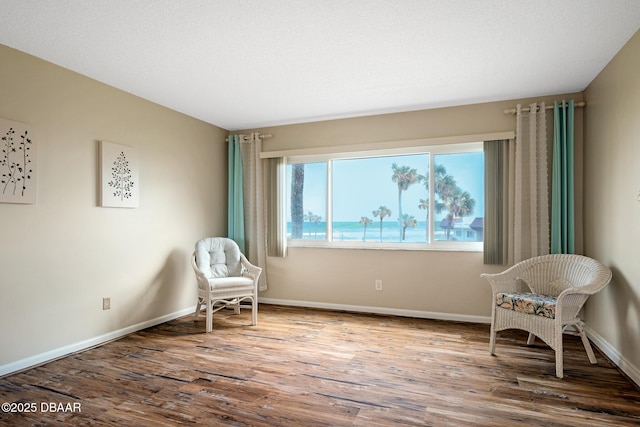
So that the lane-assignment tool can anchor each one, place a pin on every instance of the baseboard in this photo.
(629, 369)
(380, 310)
(57, 353)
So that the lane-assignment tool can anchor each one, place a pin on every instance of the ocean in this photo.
(354, 231)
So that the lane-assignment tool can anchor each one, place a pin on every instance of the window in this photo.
(431, 198)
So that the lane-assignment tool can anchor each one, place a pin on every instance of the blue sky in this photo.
(362, 185)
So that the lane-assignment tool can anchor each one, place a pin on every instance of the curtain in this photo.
(495, 190)
(276, 206)
(254, 205)
(256, 202)
(517, 191)
(235, 194)
(531, 188)
(562, 192)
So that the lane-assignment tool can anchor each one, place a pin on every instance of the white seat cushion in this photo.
(231, 282)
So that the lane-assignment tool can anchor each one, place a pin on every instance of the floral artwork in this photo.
(119, 171)
(18, 158)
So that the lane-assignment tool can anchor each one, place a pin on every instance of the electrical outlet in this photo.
(378, 285)
(106, 303)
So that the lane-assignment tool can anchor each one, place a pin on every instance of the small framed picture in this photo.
(18, 162)
(119, 171)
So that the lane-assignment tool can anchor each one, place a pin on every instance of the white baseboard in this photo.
(57, 353)
(630, 370)
(380, 310)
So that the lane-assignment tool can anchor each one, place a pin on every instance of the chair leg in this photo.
(254, 311)
(559, 367)
(586, 344)
(492, 334)
(198, 308)
(492, 341)
(531, 339)
(209, 317)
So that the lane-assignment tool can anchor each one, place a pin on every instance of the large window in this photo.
(433, 198)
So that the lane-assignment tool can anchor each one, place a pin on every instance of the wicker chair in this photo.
(225, 278)
(544, 296)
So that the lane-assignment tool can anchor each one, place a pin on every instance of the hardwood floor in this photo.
(309, 367)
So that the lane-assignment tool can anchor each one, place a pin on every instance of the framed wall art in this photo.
(18, 162)
(119, 171)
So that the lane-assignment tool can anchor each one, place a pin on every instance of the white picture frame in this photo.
(119, 172)
(18, 162)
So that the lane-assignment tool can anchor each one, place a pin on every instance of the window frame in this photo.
(432, 150)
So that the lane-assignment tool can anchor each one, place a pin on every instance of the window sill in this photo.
(437, 246)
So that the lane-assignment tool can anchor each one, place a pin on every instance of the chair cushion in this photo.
(218, 257)
(528, 303)
(231, 282)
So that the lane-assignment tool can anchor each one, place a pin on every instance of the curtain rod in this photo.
(548, 107)
(245, 137)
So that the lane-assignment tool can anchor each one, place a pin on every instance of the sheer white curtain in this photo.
(528, 234)
(254, 204)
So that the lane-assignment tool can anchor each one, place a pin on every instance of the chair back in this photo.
(552, 274)
(218, 257)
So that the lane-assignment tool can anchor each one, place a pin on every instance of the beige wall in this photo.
(612, 207)
(61, 256)
(428, 282)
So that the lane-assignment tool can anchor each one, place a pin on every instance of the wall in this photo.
(418, 283)
(61, 256)
(612, 206)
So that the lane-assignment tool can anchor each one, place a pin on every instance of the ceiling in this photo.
(242, 64)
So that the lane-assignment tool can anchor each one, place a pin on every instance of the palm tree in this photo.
(404, 177)
(297, 191)
(407, 221)
(424, 204)
(311, 217)
(365, 221)
(459, 203)
(382, 211)
(444, 185)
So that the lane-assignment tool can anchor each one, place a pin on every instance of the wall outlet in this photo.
(378, 284)
(106, 303)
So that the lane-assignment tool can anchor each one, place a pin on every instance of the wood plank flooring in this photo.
(309, 367)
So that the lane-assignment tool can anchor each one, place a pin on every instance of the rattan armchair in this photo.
(225, 278)
(544, 296)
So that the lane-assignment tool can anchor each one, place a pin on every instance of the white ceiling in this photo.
(242, 64)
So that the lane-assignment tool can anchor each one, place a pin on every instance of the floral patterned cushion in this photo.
(541, 305)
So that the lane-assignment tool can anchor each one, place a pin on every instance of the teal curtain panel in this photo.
(562, 192)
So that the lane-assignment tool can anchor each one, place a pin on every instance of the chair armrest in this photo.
(201, 278)
(249, 269)
(571, 300)
(505, 281)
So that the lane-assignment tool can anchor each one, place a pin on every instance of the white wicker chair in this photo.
(225, 278)
(558, 286)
